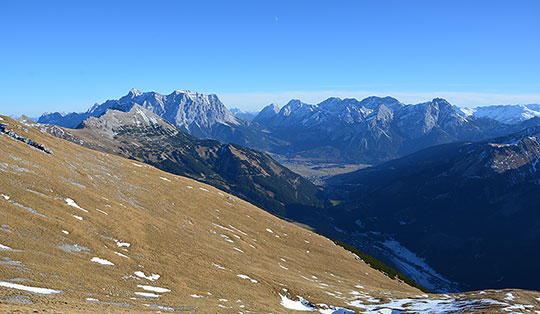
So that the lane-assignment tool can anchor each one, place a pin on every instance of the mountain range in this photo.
(510, 114)
(375, 129)
(336, 130)
(203, 116)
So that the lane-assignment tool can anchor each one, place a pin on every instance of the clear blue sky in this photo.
(68, 55)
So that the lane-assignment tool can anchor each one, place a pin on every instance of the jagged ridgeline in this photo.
(378, 129)
(368, 131)
(141, 135)
(203, 116)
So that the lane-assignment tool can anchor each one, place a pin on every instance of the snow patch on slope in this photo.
(101, 261)
(416, 268)
(28, 288)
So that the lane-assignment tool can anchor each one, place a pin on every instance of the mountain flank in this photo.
(467, 208)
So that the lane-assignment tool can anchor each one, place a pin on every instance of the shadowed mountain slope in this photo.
(469, 209)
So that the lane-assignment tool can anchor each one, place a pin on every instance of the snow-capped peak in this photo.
(135, 92)
(509, 114)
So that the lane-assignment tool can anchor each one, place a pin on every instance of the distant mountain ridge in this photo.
(509, 114)
(370, 131)
(244, 115)
(189, 111)
(373, 130)
(203, 116)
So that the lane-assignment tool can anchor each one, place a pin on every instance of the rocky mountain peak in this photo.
(26, 120)
(443, 105)
(373, 102)
(290, 107)
(135, 92)
(137, 119)
(267, 113)
(329, 102)
(384, 113)
(273, 108)
(185, 109)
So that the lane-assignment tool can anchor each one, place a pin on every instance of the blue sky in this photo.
(65, 56)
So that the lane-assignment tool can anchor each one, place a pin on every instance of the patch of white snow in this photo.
(77, 217)
(248, 278)
(72, 203)
(300, 305)
(151, 277)
(147, 294)
(154, 289)
(101, 261)
(29, 289)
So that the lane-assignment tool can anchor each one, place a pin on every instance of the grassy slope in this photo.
(248, 174)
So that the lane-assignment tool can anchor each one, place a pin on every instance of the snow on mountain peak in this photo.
(296, 106)
(134, 92)
(272, 107)
(464, 111)
(509, 114)
(183, 108)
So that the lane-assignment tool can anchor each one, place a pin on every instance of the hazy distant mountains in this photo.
(370, 131)
(469, 209)
(378, 129)
(510, 114)
(244, 115)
